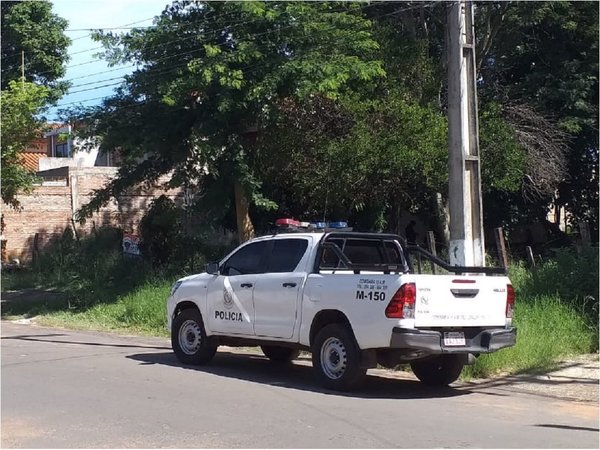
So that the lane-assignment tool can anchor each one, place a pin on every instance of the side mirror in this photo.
(212, 268)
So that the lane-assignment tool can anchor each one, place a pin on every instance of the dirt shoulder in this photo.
(576, 378)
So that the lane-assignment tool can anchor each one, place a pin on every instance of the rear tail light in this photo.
(402, 305)
(510, 301)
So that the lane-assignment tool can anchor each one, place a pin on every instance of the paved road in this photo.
(82, 389)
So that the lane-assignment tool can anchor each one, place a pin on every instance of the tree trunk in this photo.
(244, 224)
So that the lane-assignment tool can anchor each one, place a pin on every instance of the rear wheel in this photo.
(279, 354)
(189, 340)
(336, 358)
(440, 370)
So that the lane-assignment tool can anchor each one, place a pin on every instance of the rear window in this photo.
(361, 251)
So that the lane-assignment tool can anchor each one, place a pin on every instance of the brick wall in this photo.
(49, 209)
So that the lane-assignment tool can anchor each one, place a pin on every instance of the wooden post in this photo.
(530, 257)
(431, 244)
(500, 245)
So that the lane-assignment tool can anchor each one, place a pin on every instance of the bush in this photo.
(89, 271)
(160, 231)
(570, 276)
(548, 330)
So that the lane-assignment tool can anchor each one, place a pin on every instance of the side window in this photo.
(329, 260)
(246, 260)
(362, 251)
(286, 254)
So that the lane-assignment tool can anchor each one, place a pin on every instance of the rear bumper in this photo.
(431, 341)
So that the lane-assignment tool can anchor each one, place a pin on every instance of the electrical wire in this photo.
(214, 32)
(158, 73)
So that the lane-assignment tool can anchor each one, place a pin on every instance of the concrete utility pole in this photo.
(466, 218)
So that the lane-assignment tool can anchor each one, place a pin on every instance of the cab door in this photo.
(230, 294)
(276, 294)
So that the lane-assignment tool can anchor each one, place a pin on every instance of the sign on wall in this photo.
(131, 244)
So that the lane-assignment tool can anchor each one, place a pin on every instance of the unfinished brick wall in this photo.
(48, 210)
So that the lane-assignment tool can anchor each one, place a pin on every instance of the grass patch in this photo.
(140, 311)
(548, 330)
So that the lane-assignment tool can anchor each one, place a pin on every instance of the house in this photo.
(58, 148)
(69, 175)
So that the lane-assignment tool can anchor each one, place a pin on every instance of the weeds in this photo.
(547, 330)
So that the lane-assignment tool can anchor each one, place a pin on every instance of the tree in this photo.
(21, 104)
(210, 76)
(544, 58)
(32, 28)
(363, 159)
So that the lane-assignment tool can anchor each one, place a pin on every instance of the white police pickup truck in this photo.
(351, 299)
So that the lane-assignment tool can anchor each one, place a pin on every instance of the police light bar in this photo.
(338, 224)
(293, 225)
(287, 223)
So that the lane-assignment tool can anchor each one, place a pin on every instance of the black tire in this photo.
(440, 370)
(336, 358)
(188, 338)
(280, 354)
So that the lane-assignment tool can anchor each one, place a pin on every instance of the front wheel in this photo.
(279, 354)
(336, 358)
(440, 370)
(189, 340)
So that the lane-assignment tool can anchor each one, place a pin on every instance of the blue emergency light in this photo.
(338, 224)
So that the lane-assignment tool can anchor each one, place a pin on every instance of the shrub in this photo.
(570, 276)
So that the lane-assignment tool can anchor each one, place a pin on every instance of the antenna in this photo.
(327, 187)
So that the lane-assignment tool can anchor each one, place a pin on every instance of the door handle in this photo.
(290, 285)
(246, 285)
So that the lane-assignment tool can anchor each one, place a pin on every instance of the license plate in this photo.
(454, 338)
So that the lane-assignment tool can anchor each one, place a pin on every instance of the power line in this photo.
(214, 32)
(160, 72)
(81, 37)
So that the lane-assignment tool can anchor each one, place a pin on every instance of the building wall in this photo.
(46, 212)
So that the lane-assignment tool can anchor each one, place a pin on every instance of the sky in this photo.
(84, 70)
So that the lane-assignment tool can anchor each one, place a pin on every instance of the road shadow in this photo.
(45, 338)
(574, 381)
(258, 369)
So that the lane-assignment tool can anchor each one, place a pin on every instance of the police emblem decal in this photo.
(227, 298)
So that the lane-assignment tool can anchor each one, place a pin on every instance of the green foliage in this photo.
(548, 330)
(21, 104)
(89, 271)
(31, 27)
(502, 158)
(545, 54)
(142, 310)
(556, 314)
(568, 275)
(350, 156)
(201, 91)
(161, 231)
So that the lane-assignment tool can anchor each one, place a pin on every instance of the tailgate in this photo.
(460, 301)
